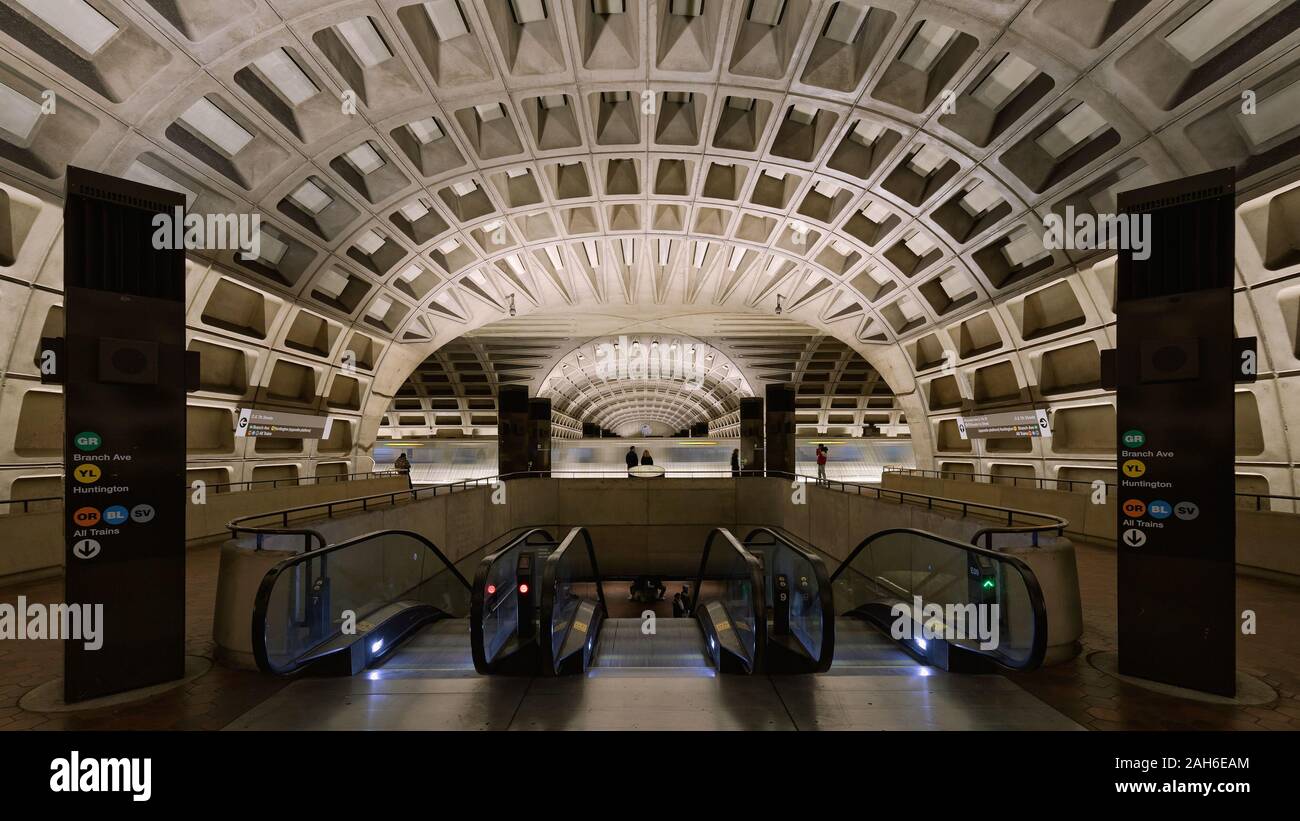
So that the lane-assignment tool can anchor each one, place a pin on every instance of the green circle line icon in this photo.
(1134, 438)
(87, 441)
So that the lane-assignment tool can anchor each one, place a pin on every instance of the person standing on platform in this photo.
(403, 466)
(823, 453)
(735, 462)
(630, 459)
(647, 459)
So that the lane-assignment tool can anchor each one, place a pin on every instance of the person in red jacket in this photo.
(822, 453)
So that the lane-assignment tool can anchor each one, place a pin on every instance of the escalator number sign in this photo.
(580, 626)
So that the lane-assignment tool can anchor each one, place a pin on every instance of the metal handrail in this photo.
(247, 524)
(928, 473)
(1052, 522)
(242, 524)
(216, 488)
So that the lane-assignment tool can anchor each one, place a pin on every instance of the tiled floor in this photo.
(879, 688)
(209, 702)
(1075, 690)
(1102, 702)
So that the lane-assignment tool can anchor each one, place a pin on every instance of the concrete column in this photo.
(779, 421)
(751, 433)
(512, 429)
(539, 435)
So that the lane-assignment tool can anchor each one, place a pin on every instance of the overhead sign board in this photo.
(999, 425)
(257, 422)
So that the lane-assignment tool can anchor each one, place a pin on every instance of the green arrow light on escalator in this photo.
(988, 584)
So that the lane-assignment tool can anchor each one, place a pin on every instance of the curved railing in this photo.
(990, 601)
(572, 603)
(276, 522)
(229, 487)
(499, 610)
(1042, 482)
(1039, 523)
(799, 599)
(351, 602)
(735, 619)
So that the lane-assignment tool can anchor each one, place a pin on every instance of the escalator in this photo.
(800, 605)
(538, 606)
(759, 606)
(503, 605)
(979, 610)
(388, 599)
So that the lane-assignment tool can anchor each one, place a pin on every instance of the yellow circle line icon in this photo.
(87, 474)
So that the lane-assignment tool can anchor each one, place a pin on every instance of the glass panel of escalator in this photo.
(574, 582)
(501, 602)
(372, 577)
(806, 616)
(729, 578)
(572, 604)
(976, 600)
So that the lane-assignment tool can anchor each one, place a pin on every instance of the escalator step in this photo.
(443, 645)
(675, 644)
(858, 644)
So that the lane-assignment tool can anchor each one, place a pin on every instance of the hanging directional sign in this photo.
(1000, 425)
(257, 422)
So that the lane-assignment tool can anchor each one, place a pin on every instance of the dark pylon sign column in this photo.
(512, 429)
(751, 433)
(124, 435)
(539, 436)
(780, 428)
(1175, 369)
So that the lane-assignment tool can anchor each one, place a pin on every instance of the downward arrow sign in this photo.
(86, 549)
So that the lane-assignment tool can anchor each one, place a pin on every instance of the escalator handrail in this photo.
(756, 588)
(266, 588)
(1037, 603)
(477, 590)
(546, 607)
(825, 593)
